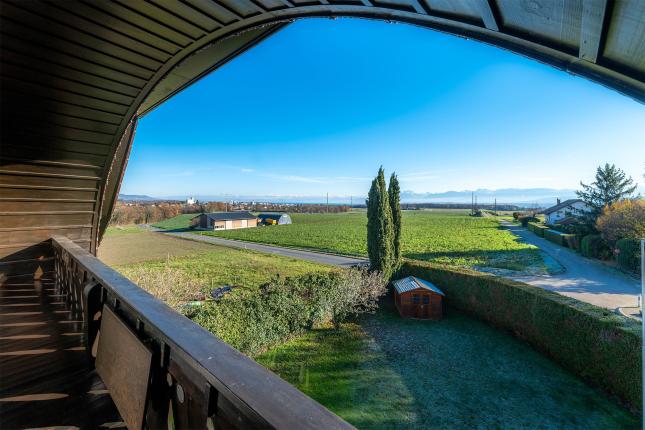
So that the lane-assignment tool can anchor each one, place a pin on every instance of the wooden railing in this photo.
(195, 379)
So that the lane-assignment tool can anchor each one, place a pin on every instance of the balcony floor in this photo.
(44, 379)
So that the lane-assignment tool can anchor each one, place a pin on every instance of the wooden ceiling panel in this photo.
(76, 74)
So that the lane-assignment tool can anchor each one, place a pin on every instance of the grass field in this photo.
(449, 237)
(391, 373)
(152, 259)
(178, 222)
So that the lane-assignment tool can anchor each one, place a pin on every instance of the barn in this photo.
(416, 298)
(274, 218)
(224, 220)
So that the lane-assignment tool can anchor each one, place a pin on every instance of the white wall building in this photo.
(566, 209)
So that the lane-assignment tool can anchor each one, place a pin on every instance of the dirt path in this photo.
(583, 278)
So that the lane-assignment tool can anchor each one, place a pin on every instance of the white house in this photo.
(191, 201)
(565, 209)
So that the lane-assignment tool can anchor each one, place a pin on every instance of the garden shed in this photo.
(274, 218)
(416, 298)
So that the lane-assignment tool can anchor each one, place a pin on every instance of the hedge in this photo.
(524, 220)
(562, 239)
(601, 347)
(538, 229)
(629, 254)
(594, 246)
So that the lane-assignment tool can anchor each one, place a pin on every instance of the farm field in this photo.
(142, 256)
(175, 223)
(386, 372)
(441, 236)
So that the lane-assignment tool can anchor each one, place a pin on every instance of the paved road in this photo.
(316, 257)
(583, 279)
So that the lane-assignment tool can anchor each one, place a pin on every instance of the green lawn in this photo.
(178, 222)
(118, 230)
(391, 373)
(449, 237)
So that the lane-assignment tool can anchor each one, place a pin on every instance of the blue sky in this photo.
(318, 107)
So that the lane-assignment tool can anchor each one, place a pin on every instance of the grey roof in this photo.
(412, 283)
(564, 204)
(223, 216)
(271, 215)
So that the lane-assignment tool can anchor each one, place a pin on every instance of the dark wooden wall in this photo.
(75, 75)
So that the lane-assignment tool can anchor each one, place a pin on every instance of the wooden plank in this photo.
(66, 71)
(97, 29)
(18, 12)
(124, 364)
(40, 90)
(593, 18)
(60, 59)
(44, 219)
(8, 191)
(143, 33)
(62, 83)
(488, 17)
(12, 180)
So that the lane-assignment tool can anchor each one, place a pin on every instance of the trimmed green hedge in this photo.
(562, 239)
(596, 344)
(594, 246)
(629, 254)
(538, 229)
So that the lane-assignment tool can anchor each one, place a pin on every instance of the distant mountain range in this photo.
(137, 198)
(518, 196)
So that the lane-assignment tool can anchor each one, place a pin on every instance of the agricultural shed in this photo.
(274, 218)
(224, 220)
(416, 298)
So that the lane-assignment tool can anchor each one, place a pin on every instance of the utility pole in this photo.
(327, 202)
(472, 202)
(351, 201)
(495, 206)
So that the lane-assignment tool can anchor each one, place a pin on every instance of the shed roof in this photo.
(412, 283)
(222, 216)
(271, 215)
(562, 205)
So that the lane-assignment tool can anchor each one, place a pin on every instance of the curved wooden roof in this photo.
(77, 74)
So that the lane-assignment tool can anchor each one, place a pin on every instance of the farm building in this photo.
(224, 221)
(416, 298)
(274, 218)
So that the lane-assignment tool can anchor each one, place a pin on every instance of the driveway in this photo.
(316, 257)
(583, 279)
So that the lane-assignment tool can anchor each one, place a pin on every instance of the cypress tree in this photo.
(379, 227)
(394, 194)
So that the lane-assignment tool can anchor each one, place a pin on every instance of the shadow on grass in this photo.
(386, 372)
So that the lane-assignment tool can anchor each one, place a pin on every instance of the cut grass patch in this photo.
(176, 223)
(388, 372)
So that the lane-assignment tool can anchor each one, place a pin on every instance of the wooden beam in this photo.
(486, 10)
(591, 29)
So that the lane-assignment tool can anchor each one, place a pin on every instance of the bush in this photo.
(628, 255)
(596, 344)
(624, 219)
(516, 215)
(524, 220)
(594, 246)
(536, 228)
(286, 307)
(562, 239)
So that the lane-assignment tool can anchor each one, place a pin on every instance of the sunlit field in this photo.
(441, 236)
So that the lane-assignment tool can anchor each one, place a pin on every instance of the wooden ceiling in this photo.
(77, 74)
